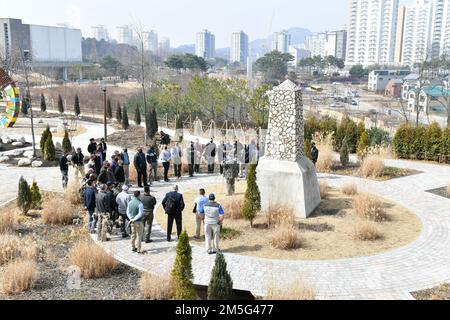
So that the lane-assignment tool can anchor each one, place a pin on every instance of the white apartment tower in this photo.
(125, 35)
(328, 43)
(281, 41)
(417, 32)
(239, 48)
(150, 41)
(371, 32)
(206, 45)
(100, 33)
(440, 43)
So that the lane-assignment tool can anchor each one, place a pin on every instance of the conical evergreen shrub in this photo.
(66, 144)
(109, 109)
(36, 197)
(137, 116)
(363, 144)
(60, 104)
(125, 123)
(24, 199)
(182, 287)
(252, 203)
(44, 136)
(344, 154)
(49, 149)
(43, 103)
(119, 113)
(221, 285)
(77, 109)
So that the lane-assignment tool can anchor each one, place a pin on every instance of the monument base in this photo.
(288, 183)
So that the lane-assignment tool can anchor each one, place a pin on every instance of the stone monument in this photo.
(285, 176)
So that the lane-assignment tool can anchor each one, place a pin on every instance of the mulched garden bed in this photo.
(440, 192)
(441, 292)
(388, 173)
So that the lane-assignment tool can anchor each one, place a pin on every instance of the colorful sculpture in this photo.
(10, 102)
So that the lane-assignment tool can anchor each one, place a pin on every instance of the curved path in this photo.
(391, 275)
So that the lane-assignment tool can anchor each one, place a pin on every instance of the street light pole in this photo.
(104, 114)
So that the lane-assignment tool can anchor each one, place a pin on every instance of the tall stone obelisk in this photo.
(285, 177)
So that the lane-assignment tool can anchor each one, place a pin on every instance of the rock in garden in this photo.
(17, 144)
(24, 163)
(22, 139)
(6, 140)
(36, 164)
(4, 159)
(17, 153)
(28, 154)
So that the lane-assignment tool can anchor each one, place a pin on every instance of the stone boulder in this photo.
(17, 153)
(36, 164)
(17, 144)
(24, 163)
(6, 139)
(28, 154)
(4, 159)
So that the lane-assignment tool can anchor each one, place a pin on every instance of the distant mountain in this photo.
(186, 48)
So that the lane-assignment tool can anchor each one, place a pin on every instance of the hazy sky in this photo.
(180, 20)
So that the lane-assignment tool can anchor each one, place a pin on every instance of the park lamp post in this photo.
(104, 114)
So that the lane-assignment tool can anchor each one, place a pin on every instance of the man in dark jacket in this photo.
(314, 153)
(78, 162)
(191, 158)
(140, 164)
(152, 160)
(89, 204)
(104, 148)
(173, 204)
(92, 147)
(210, 155)
(64, 167)
(111, 207)
(101, 206)
(149, 203)
(119, 173)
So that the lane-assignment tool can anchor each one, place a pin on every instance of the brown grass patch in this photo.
(72, 194)
(285, 237)
(12, 247)
(349, 189)
(233, 208)
(367, 207)
(92, 260)
(7, 221)
(372, 166)
(325, 162)
(366, 231)
(448, 189)
(277, 216)
(58, 212)
(155, 288)
(19, 276)
(297, 290)
(323, 189)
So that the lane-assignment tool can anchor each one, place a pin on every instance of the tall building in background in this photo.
(125, 35)
(281, 41)
(417, 32)
(399, 34)
(440, 43)
(328, 43)
(100, 33)
(299, 52)
(206, 45)
(151, 41)
(239, 48)
(371, 32)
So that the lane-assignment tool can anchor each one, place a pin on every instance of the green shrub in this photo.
(378, 137)
(252, 204)
(76, 107)
(417, 149)
(137, 116)
(125, 123)
(44, 136)
(60, 104)
(402, 141)
(344, 154)
(119, 113)
(43, 103)
(182, 287)
(221, 285)
(347, 130)
(36, 197)
(66, 144)
(109, 109)
(308, 148)
(363, 144)
(24, 198)
(49, 149)
(445, 144)
(433, 142)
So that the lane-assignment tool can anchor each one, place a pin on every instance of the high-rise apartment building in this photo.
(328, 43)
(239, 47)
(440, 42)
(100, 33)
(299, 52)
(206, 45)
(150, 41)
(417, 32)
(399, 34)
(125, 35)
(371, 32)
(281, 41)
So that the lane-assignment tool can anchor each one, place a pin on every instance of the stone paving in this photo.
(390, 275)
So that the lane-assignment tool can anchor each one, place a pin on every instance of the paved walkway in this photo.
(391, 275)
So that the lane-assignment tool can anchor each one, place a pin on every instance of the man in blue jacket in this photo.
(173, 204)
(89, 204)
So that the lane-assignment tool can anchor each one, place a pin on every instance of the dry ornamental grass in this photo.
(285, 237)
(296, 290)
(349, 189)
(7, 220)
(155, 288)
(369, 208)
(325, 162)
(372, 166)
(278, 216)
(233, 208)
(58, 212)
(92, 260)
(72, 194)
(366, 231)
(12, 247)
(323, 189)
(19, 276)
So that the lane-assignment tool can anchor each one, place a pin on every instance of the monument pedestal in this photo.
(288, 184)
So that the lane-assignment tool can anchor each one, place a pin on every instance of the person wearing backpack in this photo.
(173, 204)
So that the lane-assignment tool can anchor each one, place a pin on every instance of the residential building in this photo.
(125, 35)
(378, 79)
(409, 82)
(432, 100)
(43, 45)
(298, 52)
(239, 48)
(394, 88)
(281, 41)
(327, 43)
(100, 33)
(371, 32)
(417, 32)
(399, 35)
(164, 47)
(440, 43)
(151, 41)
(206, 45)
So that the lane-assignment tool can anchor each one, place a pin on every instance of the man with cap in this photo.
(213, 215)
(122, 201)
(92, 147)
(135, 213)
